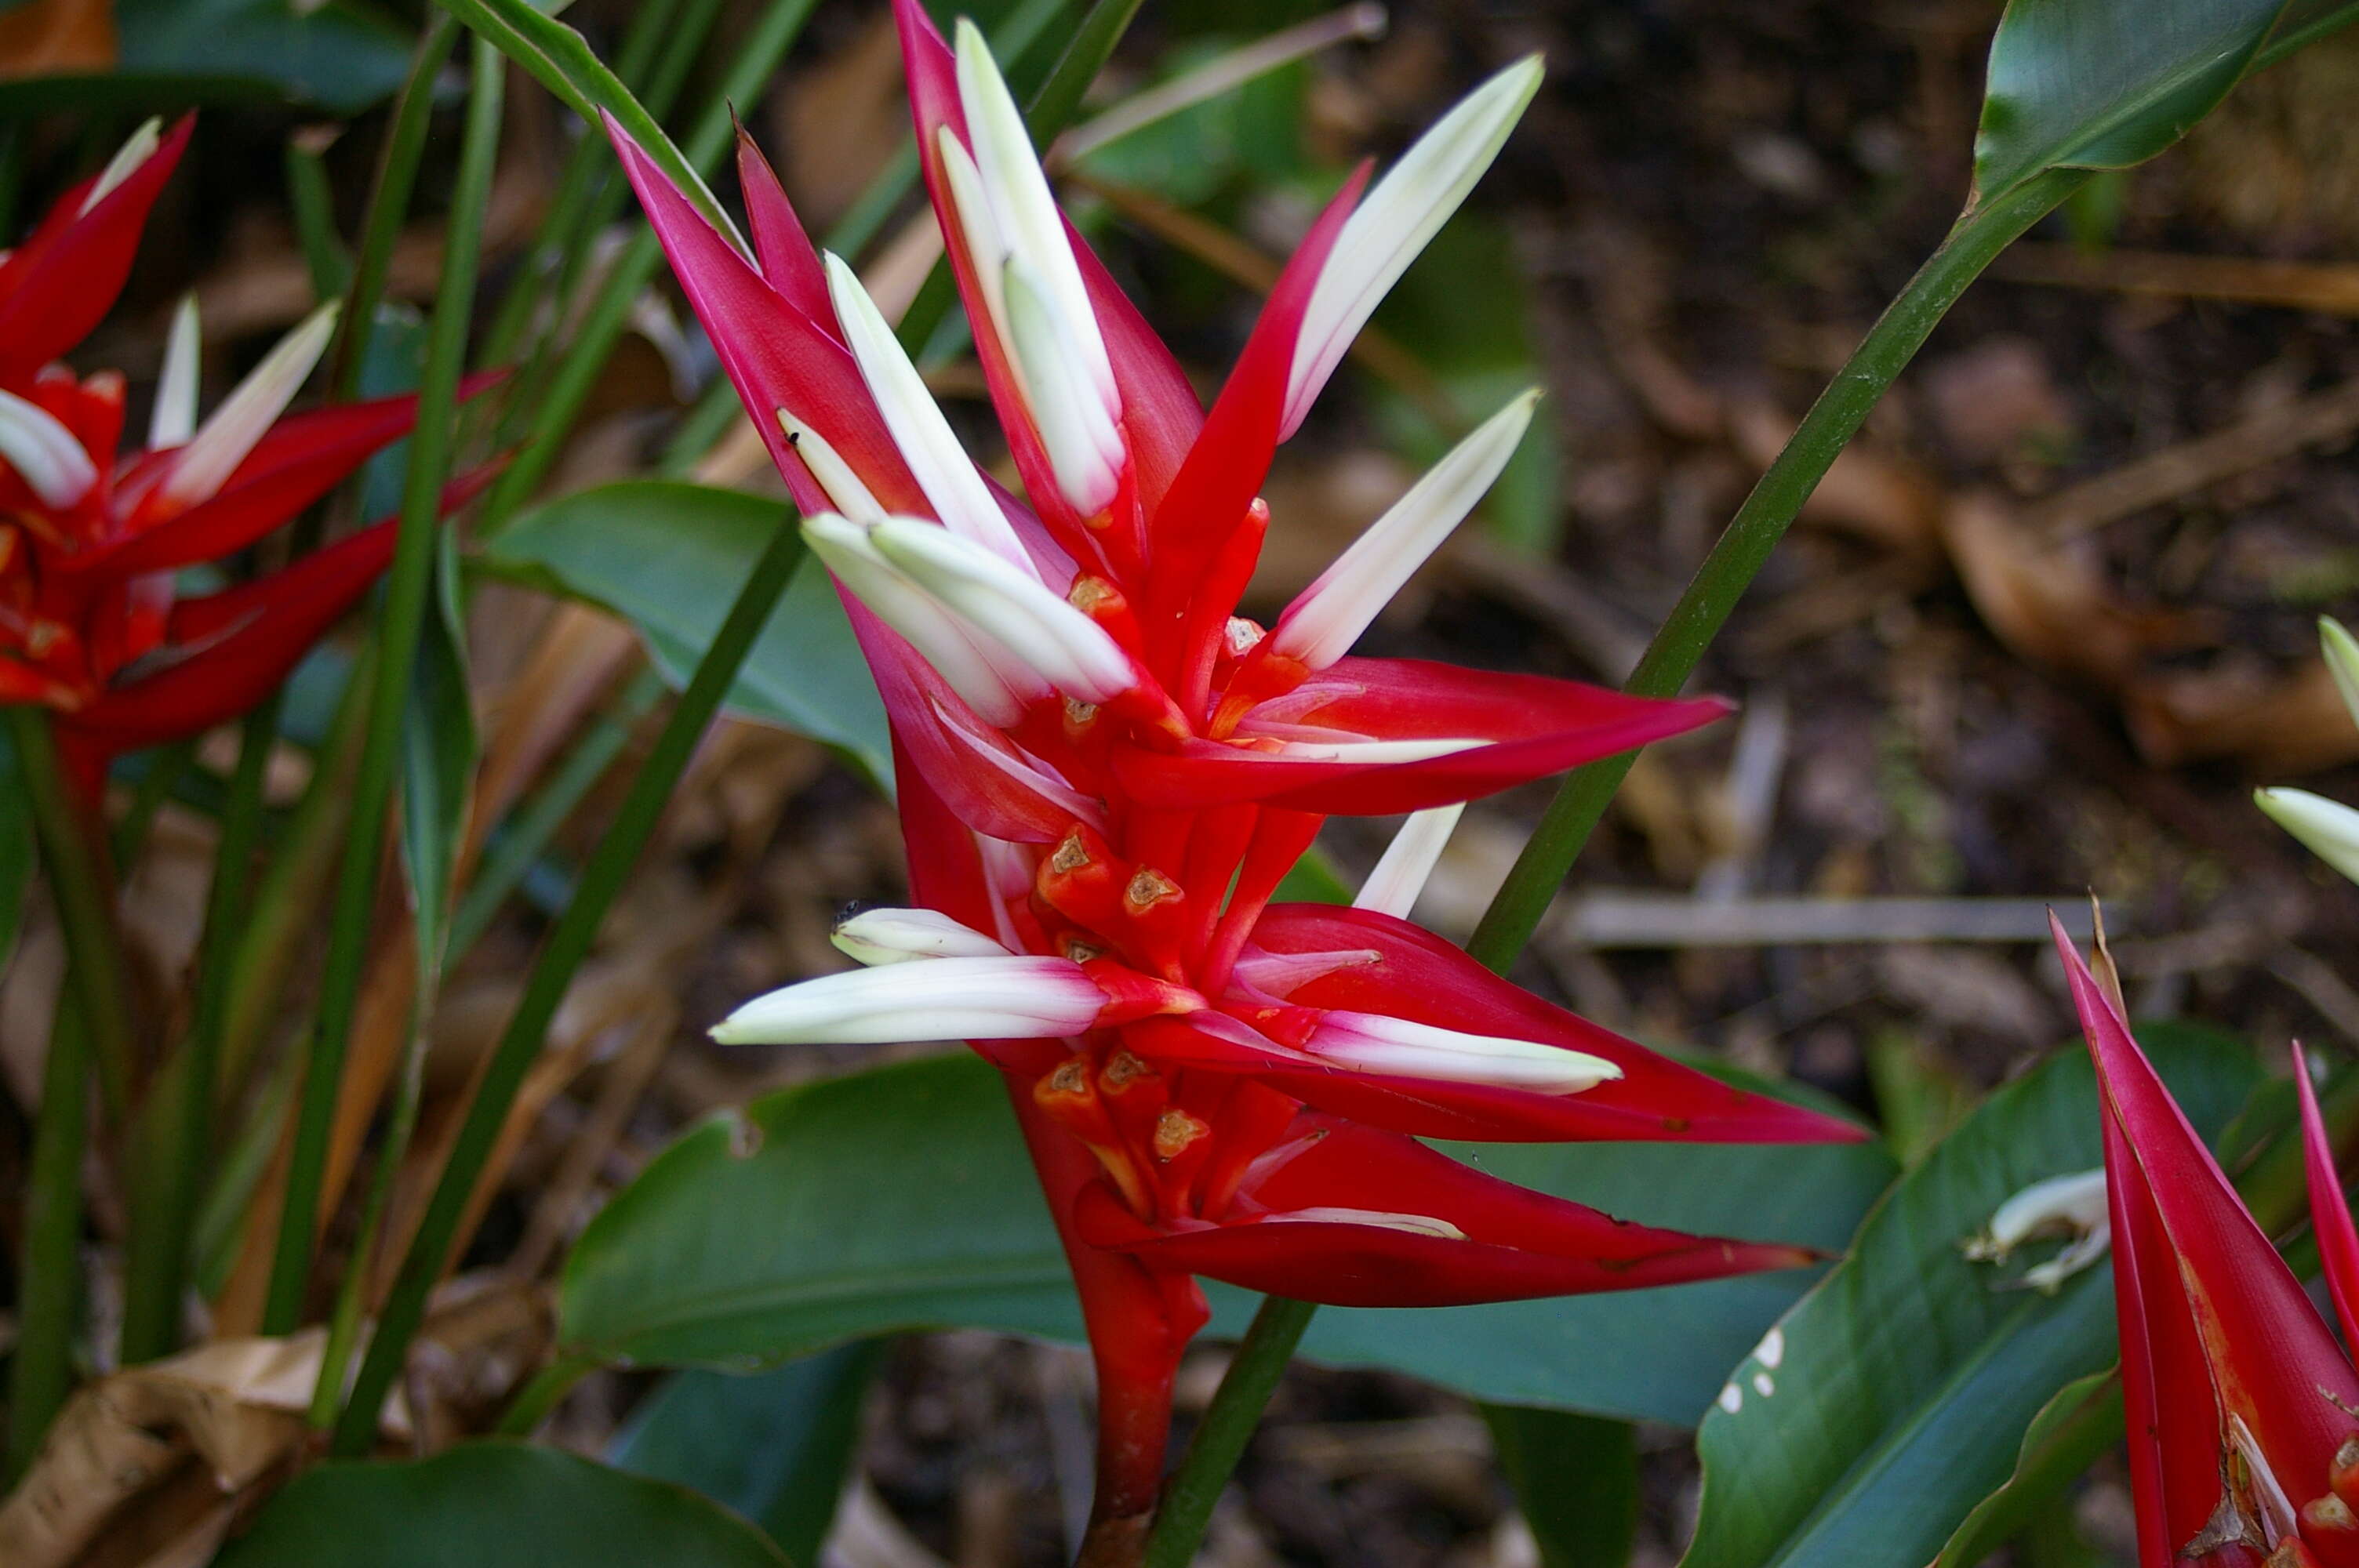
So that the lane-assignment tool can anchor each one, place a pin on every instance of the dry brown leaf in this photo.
(2277, 723)
(50, 38)
(840, 119)
(1995, 398)
(2051, 606)
(234, 1407)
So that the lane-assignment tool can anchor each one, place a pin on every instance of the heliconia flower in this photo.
(2328, 828)
(91, 624)
(57, 284)
(2243, 1411)
(1104, 772)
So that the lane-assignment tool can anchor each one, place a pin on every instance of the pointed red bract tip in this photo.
(2338, 1239)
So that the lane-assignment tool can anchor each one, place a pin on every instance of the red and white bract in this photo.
(1104, 772)
(2243, 1411)
(91, 626)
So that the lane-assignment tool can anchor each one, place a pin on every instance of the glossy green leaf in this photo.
(902, 1199)
(1576, 1481)
(663, 555)
(2082, 1422)
(1894, 1397)
(340, 56)
(494, 1501)
(775, 1446)
(2106, 83)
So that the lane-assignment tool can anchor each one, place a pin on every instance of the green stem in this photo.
(172, 1157)
(520, 840)
(1515, 912)
(567, 226)
(166, 765)
(396, 176)
(82, 887)
(1228, 1425)
(549, 1386)
(569, 943)
(49, 1283)
(408, 585)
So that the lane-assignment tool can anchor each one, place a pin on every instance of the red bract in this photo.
(2243, 1411)
(1104, 772)
(91, 626)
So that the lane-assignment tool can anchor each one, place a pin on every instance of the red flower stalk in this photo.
(2243, 1411)
(1104, 772)
(91, 624)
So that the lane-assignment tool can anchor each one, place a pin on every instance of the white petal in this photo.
(1392, 888)
(1071, 652)
(844, 546)
(1377, 751)
(1376, 1043)
(1022, 207)
(44, 452)
(213, 453)
(138, 149)
(846, 489)
(1328, 616)
(174, 418)
(2341, 661)
(2328, 828)
(943, 998)
(879, 936)
(1084, 448)
(941, 466)
(1404, 213)
(977, 229)
(1414, 1224)
(2074, 1204)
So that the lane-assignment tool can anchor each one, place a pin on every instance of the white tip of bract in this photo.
(925, 439)
(1084, 448)
(846, 549)
(1378, 752)
(1022, 207)
(213, 453)
(2341, 651)
(174, 418)
(2328, 828)
(878, 936)
(1376, 1043)
(944, 999)
(1392, 888)
(1070, 651)
(44, 452)
(138, 149)
(846, 489)
(1409, 1224)
(1397, 221)
(1328, 616)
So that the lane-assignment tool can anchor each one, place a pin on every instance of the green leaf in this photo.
(902, 1199)
(653, 551)
(438, 761)
(1315, 879)
(342, 56)
(2064, 1439)
(775, 1446)
(2106, 83)
(494, 1501)
(1576, 1481)
(1895, 1396)
(563, 61)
